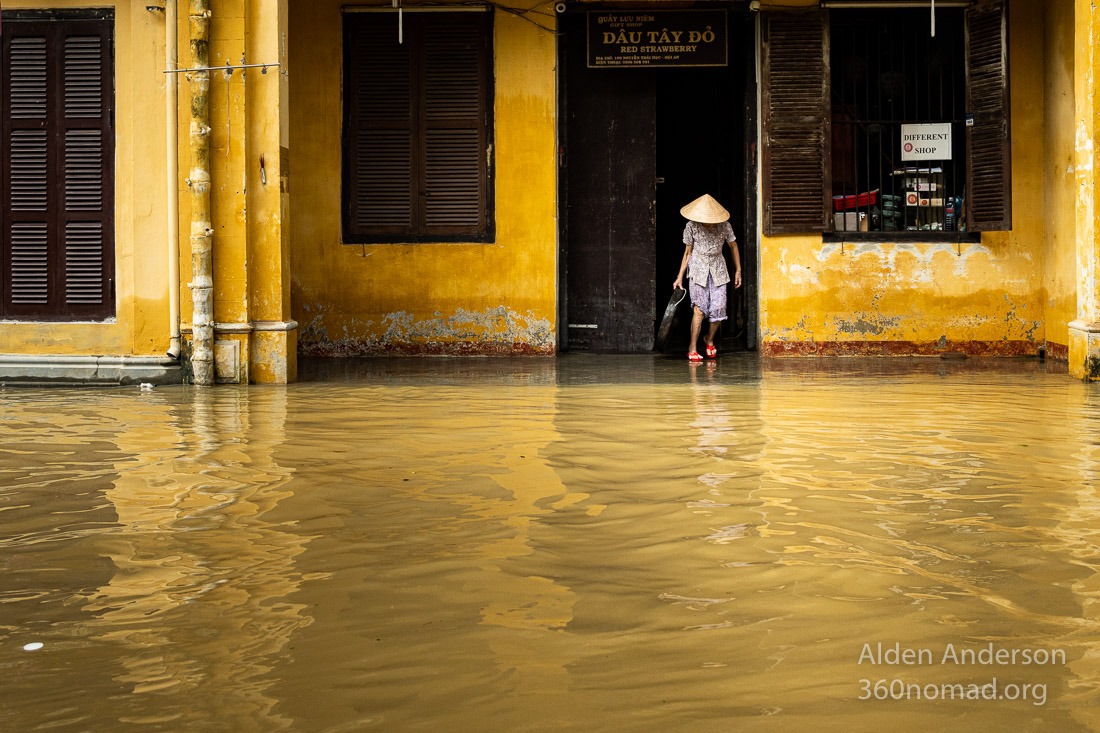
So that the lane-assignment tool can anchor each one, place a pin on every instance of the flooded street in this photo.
(594, 543)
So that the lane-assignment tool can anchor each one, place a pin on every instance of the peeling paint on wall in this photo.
(908, 297)
(897, 348)
(490, 332)
(868, 324)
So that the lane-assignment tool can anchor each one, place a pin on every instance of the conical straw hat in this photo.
(705, 210)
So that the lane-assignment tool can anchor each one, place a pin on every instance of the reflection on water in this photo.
(591, 542)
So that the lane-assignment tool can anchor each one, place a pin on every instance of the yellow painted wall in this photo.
(140, 327)
(425, 298)
(273, 353)
(985, 297)
(1084, 330)
(1060, 251)
(228, 165)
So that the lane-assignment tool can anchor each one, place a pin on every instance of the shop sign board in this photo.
(657, 38)
(926, 142)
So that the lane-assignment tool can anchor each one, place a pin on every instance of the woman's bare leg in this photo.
(696, 328)
(712, 331)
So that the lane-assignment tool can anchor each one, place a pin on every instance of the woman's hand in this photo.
(737, 279)
(678, 283)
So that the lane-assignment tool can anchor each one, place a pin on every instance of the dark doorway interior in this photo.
(699, 150)
(638, 144)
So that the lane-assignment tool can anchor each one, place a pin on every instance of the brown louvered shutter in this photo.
(453, 103)
(379, 129)
(416, 127)
(797, 187)
(989, 200)
(57, 191)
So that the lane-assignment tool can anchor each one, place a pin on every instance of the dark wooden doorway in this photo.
(610, 142)
(638, 144)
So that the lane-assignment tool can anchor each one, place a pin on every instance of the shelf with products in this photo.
(918, 203)
(853, 213)
(924, 206)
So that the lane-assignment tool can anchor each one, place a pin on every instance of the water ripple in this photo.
(618, 544)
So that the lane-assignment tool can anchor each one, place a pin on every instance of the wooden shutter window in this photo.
(88, 174)
(26, 61)
(29, 265)
(26, 250)
(989, 169)
(83, 77)
(453, 94)
(379, 127)
(797, 187)
(28, 170)
(58, 194)
(416, 128)
(84, 263)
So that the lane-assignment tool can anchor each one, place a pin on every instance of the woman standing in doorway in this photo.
(707, 230)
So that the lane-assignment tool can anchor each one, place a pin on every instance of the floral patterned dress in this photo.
(706, 242)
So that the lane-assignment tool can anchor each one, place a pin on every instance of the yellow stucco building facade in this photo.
(233, 250)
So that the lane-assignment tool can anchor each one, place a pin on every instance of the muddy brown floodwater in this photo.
(598, 543)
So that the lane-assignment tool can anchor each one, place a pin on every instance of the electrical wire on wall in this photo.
(522, 13)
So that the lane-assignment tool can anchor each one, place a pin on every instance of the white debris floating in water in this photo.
(33, 646)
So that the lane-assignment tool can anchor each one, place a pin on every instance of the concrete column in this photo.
(274, 342)
(1084, 331)
(199, 179)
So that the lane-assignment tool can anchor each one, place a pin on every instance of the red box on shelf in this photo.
(855, 201)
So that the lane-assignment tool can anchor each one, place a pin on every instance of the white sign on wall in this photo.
(926, 142)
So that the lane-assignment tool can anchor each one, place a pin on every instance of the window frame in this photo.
(793, 114)
(76, 212)
(458, 225)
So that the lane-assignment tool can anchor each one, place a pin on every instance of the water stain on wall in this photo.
(493, 331)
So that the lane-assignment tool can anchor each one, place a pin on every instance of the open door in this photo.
(638, 143)
(699, 150)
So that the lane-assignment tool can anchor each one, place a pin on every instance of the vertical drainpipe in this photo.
(171, 109)
(202, 233)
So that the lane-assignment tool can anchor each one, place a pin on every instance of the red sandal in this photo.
(694, 356)
(711, 351)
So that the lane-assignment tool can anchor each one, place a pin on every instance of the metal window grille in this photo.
(889, 70)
